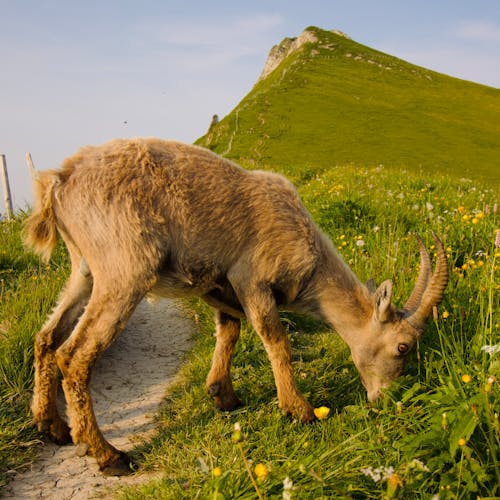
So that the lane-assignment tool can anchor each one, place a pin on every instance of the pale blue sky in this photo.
(83, 72)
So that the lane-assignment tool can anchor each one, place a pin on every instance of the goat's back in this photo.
(181, 202)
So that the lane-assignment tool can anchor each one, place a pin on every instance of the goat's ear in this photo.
(370, 284)
(382, 300)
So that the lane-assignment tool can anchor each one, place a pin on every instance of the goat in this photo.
(147, 216)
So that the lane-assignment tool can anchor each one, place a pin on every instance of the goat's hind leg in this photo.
(219, 384)
(54, 332)
(104, 318)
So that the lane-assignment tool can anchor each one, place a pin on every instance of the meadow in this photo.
(435, 434)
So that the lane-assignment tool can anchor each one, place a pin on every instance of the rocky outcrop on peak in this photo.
(279, 53)
(341, 33)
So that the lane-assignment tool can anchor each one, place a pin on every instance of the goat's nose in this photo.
(374, 395)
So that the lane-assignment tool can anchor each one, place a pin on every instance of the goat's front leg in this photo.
(54, 332)
(262, 311)
(219, 384)
(104, 317)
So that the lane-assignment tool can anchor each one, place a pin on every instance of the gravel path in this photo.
(129, 384)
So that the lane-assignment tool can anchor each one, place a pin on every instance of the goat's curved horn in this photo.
(434, 290)
(423, 278)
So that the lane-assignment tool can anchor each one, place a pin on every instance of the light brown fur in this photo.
(147, 216)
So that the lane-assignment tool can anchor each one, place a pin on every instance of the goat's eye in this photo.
(403, 348)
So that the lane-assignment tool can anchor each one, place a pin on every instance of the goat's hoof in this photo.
(121, 465)
(307, 419)
(56, 430)
(227, 404)
(60, 433)
(304, 414)
(224, 400)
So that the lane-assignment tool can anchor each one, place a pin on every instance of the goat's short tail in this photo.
(40, 230)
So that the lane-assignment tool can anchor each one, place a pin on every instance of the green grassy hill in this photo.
(332, 101)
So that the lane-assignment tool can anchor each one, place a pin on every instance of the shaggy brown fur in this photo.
(147, 216)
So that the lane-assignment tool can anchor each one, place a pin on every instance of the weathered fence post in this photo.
(6, 187)
(31, 167)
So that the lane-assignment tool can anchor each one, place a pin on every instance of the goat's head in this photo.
(392, 333)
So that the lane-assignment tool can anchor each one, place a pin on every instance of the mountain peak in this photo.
(324, 100)
(287, 46)
(280, 52)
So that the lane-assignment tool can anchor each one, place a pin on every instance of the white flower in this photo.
(360, 243)
(378, 474)
(237, 426)
(491, 349)
(418, 464)
(287, 488)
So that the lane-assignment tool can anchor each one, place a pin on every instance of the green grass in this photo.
(27, 292)
(336, 102)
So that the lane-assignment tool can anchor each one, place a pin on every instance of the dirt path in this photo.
(129, 384)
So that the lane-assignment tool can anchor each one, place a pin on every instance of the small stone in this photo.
(81, 449)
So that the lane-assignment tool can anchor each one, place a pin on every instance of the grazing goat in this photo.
(146, 216)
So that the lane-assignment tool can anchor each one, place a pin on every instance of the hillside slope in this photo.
(325, 100)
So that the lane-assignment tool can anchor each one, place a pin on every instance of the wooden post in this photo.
(6, 188)
(31, 167)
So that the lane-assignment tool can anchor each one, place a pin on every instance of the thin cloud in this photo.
(482, 31)
(209, 32)
(199, 44)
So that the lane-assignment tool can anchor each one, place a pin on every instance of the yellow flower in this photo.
(321, 412)
(217, 471)
(466, 378)
(260, 471)
(462, 442)
(445, 314)
(394, 481)
(475, 220)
